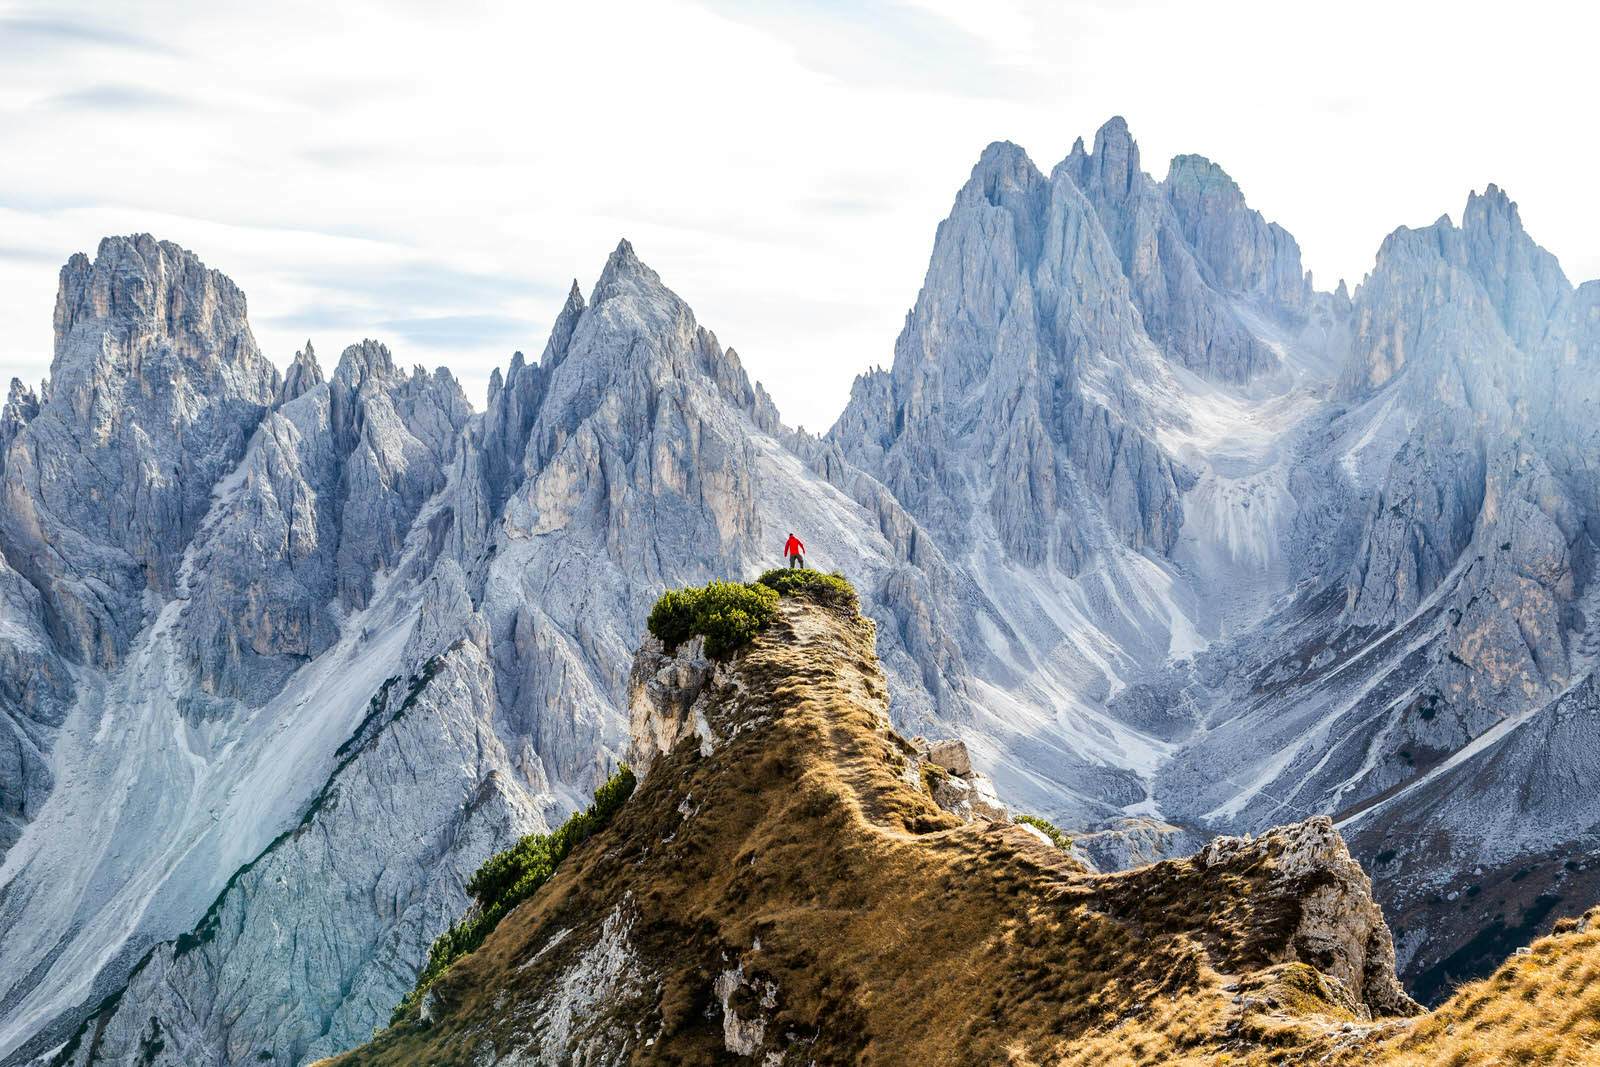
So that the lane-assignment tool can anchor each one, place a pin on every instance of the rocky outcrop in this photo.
(788, 876)
(668, 696)
(945, 768)
(1337, 927)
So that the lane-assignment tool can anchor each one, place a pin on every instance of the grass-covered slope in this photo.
(1542, 1006)
(781, 888)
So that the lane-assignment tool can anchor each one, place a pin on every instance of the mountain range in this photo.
(1177, 543)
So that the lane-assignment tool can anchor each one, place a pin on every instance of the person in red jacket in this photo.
(795, 549)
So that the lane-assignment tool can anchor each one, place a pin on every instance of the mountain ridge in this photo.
(786, 867)
(1207, 586)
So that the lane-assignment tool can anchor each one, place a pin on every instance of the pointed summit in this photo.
(1116, 156)
(1492, 205)
(367, 361)
(624, 261)
(1002, 172)
(303, 374)
(555, 348)
(624, 270)
(1524, 280)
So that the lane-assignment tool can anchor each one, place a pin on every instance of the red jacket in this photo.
(793, 547)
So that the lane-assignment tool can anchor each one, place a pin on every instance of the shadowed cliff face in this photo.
(783, 886)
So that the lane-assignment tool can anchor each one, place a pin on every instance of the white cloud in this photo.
(436, 176)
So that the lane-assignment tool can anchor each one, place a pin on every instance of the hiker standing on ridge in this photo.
(795, 549)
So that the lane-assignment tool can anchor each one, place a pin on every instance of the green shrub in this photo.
(672, 619)
(727, 614)
(508, 878)
(833, 589)
(732, 613)
(1057, 838)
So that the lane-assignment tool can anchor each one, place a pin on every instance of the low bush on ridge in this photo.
(727, 614)
(730, 614)
(508, 878)
(833, 589)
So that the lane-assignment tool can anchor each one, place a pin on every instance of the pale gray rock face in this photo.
(326, 498)
(156, 385)
(35, 693)
(421, 792)
(1024, 301)
(665, 704)
(1194, 254)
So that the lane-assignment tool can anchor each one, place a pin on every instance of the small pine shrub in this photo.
(727, 614)
(732, 613)
(1050, 830)
(832, 589)
(672, 619)
(508, 878)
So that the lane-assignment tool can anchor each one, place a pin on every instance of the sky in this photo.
(436, 176)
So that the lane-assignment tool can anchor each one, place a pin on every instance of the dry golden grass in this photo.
(1541, 1007)
(896, 934)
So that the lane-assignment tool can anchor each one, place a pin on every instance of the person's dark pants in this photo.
(796, 560)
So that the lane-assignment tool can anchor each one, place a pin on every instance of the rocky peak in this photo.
(302, 375)
(1025, 299)
(1523, 280)
(1003, 176)
(138, 290)
(1492, 210)
(156, 386)
(1468, 305)
(503, 436)
(555, 348)
(635, 341)
(1115, 158)
(1242, 252)
(623, 272)
(21, 405)
(364, 366)
(1190, 250)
